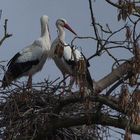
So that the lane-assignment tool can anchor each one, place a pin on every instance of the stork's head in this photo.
(63, 23)
(44, 19)
(44, 25)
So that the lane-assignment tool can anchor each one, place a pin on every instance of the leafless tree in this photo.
(44, 114)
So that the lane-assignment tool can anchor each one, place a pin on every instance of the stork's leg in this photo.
(64, 84)
(82, 85)
(72, 79)
(29, 83)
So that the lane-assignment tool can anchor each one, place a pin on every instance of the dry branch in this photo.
(6, 34)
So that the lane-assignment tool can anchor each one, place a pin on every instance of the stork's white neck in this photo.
(45, 31)
(61, 33)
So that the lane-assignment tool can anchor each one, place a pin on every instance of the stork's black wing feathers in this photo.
(16, 70)
(13, 60)
(72, 63)
(88, 76)
(89, 79)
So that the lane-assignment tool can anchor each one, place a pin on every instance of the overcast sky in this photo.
(24, 23)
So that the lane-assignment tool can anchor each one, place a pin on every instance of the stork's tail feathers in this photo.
(7, 79)
(4, 83)
(89, 80)
(83, 76)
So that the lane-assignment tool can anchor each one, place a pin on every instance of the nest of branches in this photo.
(27, 114)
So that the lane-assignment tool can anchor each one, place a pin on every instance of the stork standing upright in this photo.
(69, 60)
(30, 59)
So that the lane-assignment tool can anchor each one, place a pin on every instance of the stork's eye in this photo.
(62, 22)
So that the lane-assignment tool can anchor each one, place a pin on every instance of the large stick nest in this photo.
(26, 113)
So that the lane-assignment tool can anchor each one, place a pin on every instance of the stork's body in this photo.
(31, 59)
(65, 57)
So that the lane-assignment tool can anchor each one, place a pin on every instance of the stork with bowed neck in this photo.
(31, 59)
(65, 57)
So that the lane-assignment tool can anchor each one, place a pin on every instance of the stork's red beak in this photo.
(69, 28)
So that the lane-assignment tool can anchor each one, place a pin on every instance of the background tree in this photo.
(44, 114)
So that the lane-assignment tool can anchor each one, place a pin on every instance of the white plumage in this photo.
(30, 59)
(65, 57)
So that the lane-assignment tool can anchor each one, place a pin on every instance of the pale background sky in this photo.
(24, 23)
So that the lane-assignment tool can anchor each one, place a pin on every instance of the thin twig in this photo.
(6, 35)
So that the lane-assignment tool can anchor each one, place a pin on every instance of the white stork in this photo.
(69, 60)
(30, 59)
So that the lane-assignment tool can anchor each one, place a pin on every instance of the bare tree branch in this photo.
(76, 120)
(6, 35)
